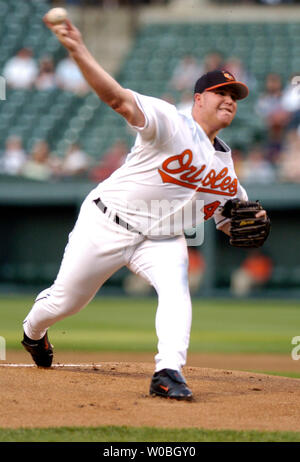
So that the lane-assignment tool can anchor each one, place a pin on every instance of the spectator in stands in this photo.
(291, 101)
(254, 272)
(21, 70)
(111, 160)
(196, 269)
(269, 107)
(75, 163)
(256, 169)
(238, 161)
(289, 162)
(46, 76)
(39, 165)
(185, 73)
(189, 69)
(212, 61)
(270, 101)
(237, 68)
(14, 156)
(69, 77)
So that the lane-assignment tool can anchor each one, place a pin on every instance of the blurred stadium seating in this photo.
(61, 117)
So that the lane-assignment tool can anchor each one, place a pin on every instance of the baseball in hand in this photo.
(56, 15)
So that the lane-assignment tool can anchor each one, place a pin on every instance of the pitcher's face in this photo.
(218, 107)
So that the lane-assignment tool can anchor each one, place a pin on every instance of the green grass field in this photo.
(125, 324)
(143, 434)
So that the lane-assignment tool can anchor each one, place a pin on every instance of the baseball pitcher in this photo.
(176, 158)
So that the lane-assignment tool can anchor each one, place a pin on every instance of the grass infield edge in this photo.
(107, 434)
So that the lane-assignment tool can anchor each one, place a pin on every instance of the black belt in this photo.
(116, 218)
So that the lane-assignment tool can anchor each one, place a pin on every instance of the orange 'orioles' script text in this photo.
(190, 177)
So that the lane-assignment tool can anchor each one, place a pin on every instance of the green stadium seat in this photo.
(4, 8)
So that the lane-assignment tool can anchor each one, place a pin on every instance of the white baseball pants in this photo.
(96, 249)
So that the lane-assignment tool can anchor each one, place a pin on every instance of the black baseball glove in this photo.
(246, 229)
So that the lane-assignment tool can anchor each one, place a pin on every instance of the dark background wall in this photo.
(36, 219)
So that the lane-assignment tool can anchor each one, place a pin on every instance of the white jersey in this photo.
(172, 161)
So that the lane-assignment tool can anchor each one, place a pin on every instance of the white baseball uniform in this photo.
(172, 160)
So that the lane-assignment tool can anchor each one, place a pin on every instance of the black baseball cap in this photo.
(216, 79)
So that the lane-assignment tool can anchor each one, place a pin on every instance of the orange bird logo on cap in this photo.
(228, 76)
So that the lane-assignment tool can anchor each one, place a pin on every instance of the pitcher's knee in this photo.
(179, 290)
(58, 304)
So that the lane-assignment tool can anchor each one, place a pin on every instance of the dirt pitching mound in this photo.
(117, 393)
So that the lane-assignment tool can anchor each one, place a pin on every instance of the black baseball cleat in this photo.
(40, 350)
(170, 384)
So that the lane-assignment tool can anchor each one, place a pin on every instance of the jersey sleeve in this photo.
(218, 217)
(161, 119)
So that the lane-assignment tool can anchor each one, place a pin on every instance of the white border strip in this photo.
(90, 366)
